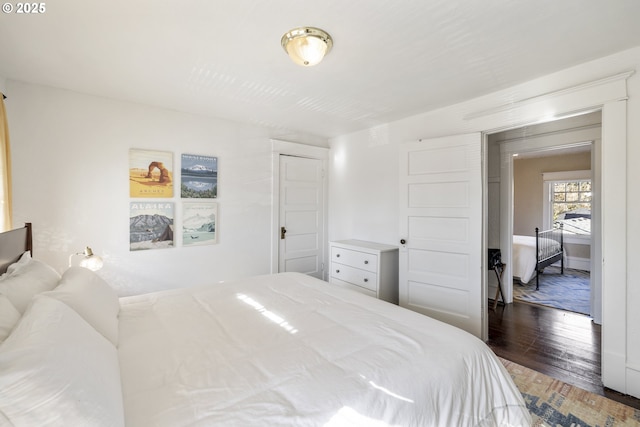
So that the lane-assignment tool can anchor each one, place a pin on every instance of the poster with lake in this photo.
(199, 177)
(150, 173)
(199, 223)
(150, 225)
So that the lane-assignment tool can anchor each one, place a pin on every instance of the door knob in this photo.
(402, 241)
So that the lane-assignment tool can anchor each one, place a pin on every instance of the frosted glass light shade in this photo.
(93, 263)
(89, 260)
(307, 46)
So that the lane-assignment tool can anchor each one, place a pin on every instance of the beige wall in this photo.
(528, 189)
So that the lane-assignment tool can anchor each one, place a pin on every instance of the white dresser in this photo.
(367, 267)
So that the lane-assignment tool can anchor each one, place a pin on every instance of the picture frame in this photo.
(199, 223)
(150, 173)
(199, 177)
(151, 225)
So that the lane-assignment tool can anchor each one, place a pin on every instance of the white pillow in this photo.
(92, 298)
(56, 370)
(26, 278)
(24, 260)
(9, 316)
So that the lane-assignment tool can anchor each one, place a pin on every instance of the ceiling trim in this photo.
(552, 141)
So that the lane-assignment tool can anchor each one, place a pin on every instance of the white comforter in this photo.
(525, 258)
(290, 350)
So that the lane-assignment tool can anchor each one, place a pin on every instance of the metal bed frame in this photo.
(547, 252)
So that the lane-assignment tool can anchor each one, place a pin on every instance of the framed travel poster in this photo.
(199, 223)
(199, 177)
(150, 173)
(150, 225)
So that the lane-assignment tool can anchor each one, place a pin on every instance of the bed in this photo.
(274, 350)
(531, 254)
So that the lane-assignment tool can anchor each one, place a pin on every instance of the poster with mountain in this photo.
(199, 223)
(199, 177)
(150, 173)
(150, 225)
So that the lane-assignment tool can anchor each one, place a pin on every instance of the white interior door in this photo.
(301, 215)
(441, 230)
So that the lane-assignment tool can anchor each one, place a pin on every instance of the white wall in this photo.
(364, 175)
(363, 189)
(70, 176)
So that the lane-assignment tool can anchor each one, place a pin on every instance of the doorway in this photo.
(299, 208)
(609, 97)
(538, 156)
(301, 214)
(523, 164)
(562, 152)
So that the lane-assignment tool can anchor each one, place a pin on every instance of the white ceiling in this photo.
(391, 59)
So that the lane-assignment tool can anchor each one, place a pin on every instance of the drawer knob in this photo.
(337, 255)
(366, 280)
(337, 271)
(366, 262)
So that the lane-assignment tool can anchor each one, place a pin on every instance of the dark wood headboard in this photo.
(13, 244)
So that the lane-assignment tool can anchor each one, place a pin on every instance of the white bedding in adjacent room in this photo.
(290, 350)
(525, 257)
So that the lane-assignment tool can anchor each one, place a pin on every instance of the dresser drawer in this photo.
(356, 259)
(353, 287)
(356, 276)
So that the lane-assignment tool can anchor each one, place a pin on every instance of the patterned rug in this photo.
(569, 291)
(553, 403)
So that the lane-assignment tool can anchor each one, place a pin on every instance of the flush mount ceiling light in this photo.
(307, 46)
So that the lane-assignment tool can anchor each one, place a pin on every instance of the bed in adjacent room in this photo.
(278, 350)
(531, 254)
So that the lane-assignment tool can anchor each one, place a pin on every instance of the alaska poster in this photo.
(199, 177)
(199, 223)
(150, 173)
(150, 225)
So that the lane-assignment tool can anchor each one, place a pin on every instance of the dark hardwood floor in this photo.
(561, 344)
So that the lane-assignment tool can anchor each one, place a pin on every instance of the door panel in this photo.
(442, 299)
(300, 242)
(302, 264)
(441, 224)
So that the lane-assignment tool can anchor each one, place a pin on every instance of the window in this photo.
(571, 201)
(568, 198)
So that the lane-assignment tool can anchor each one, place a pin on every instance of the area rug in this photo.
(569, 291)
(553, 403)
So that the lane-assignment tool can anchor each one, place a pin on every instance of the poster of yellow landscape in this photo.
(150, 173)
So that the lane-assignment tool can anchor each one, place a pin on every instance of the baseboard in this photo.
(614, 371)
(633, 381)
(576, 263)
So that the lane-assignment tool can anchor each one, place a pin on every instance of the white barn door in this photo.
(301, 247)
(441, 230)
